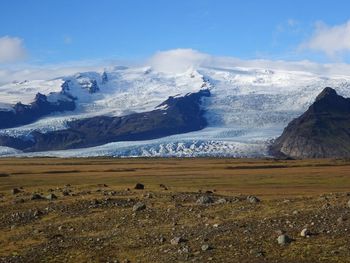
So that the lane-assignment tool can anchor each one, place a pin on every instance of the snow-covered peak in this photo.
(26, 91)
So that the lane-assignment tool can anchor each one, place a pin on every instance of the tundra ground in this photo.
(190, 210)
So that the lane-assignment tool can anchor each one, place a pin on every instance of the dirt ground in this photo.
(190, 210)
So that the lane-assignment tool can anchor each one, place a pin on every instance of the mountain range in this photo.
(237, 112)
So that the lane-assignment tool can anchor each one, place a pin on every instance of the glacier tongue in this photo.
(248, 107)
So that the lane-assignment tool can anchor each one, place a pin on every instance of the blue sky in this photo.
(72, 30)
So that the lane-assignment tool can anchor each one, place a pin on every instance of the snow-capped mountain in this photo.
(246, 109)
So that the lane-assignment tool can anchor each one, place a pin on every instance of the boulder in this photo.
(139, 186)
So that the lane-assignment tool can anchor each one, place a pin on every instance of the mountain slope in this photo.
(323, 131)
(21, 114)
(174, 116)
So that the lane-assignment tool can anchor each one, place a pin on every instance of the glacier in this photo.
(247, 109)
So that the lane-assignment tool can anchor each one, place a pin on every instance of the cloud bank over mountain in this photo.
(171, 61)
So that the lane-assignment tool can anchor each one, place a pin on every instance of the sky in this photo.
(38, 32)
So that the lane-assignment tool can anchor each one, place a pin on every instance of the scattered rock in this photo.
(177, 240)
(138, 207)
(15, 191)
(65, 192)
(139, 186)
(163, 186)
(95, 202)
(37, 213)
(51, 197)
(326, 206)
(206, 247)
(253, 199)
(283, 240)
(36, 197)
(349, 203)
(221, 201)
(148, 195)
(341, 219)
(205, 199)
(305, 233)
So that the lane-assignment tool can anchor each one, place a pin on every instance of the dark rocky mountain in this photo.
(175, 115)
(22, 114)
(323, 131)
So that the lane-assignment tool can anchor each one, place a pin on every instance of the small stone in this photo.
(36, 197)
(37, 213)
(221, 201)
(206, 247)
(163, 186)
(283, 240)
(139, 186)
(51, 197)
(349, 203)
(253, 199)
(138, 207)
(326, 206)
(341, 219)
(148, 195)
(177, 240)
(305, 233)
(203, 200)
(15, 191)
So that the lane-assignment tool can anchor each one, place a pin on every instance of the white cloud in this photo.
(11, 49)
(331, 40)
(180, 60)
(32, 72)
(36, 73)
(177, 60)
(172, 61)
